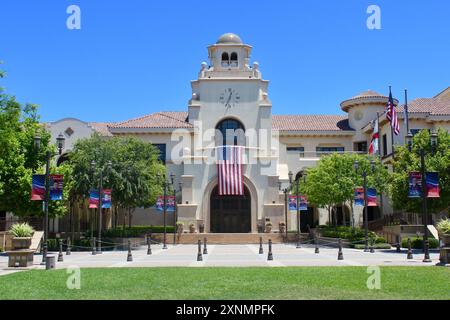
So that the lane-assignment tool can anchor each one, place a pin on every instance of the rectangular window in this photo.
(299, 150)
(384, 145)
(326, 150)
(361, 146)
(162, 151)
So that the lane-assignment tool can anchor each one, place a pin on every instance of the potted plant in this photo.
(180, 227)
(192, 227)
(268, 227)
(282, 227)
(22, 233)
(443, 227)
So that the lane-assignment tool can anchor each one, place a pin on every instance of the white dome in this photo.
(229, 38)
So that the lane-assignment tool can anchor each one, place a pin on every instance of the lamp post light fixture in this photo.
(433, 142)
(286, 204)
(100, 199)
(366, 216)
(166, 184)
(60, 141)
(297, 187)
(175, 212)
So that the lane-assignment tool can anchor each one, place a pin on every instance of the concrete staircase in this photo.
(234, 238)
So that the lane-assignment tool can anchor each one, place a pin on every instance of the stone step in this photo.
(234, 238)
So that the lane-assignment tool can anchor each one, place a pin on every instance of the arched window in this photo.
(234, 59)
(230, 132)
(225, 59)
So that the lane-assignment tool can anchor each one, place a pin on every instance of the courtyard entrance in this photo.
(230, 214)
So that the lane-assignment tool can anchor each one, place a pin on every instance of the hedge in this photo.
(349, 233)
(376, 246)
(77, 245)
(135, 231)
(417, 243)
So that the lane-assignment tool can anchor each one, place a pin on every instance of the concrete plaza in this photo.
(245, 255)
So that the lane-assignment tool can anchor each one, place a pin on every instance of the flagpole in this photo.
(390, 124)
(378, 124)
(406, 112)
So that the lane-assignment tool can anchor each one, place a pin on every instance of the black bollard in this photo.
(372, 248)
(60, 254)
(129, 256)
(316, 242)
(94, 252)
(427, 251)
(270, 255)
(298, 241)
(68, 249)
(199, 252)
(409, 254)
(398, 249)
(340, 254)
(149, 246)
(261, 250)
(205, 249)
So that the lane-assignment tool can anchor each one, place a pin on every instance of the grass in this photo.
(230, 283)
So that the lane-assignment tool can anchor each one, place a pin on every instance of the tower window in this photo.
(234, 59)
(225, 59)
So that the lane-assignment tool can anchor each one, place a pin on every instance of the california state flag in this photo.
(373, 148)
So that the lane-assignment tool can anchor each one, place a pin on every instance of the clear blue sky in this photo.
(136, 57)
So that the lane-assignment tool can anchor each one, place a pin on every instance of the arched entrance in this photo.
(230, 214)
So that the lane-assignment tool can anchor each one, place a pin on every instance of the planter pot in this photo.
(180, 229)
(202, 228)
(445, 239)
(282, 228)
(268, 229)
(19, 243)
(192, 229)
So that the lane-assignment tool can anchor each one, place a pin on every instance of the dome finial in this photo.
(230, 38)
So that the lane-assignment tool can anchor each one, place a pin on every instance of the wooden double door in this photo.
(230, 214)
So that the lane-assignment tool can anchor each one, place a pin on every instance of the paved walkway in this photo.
(232, 256)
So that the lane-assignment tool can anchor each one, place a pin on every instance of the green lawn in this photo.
(230, 283)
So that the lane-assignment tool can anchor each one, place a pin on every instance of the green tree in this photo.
(332, 182)
(133, 178)
(18, 157)
(407, 161)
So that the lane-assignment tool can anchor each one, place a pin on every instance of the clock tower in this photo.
(229, 93)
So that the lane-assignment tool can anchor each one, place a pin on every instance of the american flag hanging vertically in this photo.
(229, 168)
(391, 114)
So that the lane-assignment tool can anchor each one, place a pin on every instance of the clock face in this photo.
(229, 98)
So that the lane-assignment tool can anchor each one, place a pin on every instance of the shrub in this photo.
(134, 231)
(417, 243)
(444, 226)
(349, 233)
(77, 245)
(21, 230)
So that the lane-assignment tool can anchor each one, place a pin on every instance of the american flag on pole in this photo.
(229, 168)
(391, 114)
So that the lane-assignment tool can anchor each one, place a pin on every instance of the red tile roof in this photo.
(310, 123)
(280, 122)
(101, 128)
(157, 120)
(439, 105)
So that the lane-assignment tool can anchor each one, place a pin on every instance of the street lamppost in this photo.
(285, 191)
(166, 184)
(366, 219)
(175, 213)
(100, 199)
(297, 186)
(48, 156)
(433, 140)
